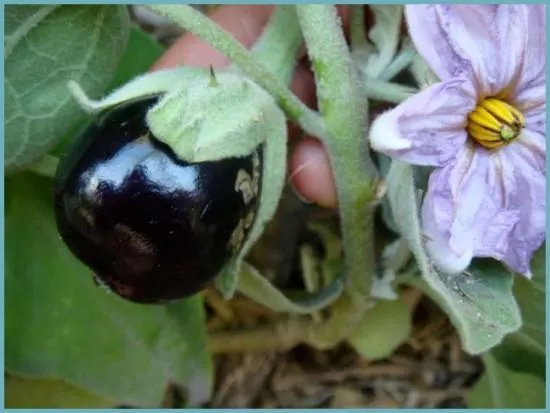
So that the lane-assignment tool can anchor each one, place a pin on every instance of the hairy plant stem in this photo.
(203, 27)
(343, 104)
(344, 107)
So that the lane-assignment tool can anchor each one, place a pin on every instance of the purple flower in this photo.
(482, 128)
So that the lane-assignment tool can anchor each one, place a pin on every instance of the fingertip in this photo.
(310, 173)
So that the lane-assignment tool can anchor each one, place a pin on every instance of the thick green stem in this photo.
(344, 107)
(203, 27)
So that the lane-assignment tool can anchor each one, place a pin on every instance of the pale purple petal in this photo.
(531, 88)
(531, 146)
(530, 196)
(483, 206)
(437, 243)
(481, 42)
(429, 127)
(535, 119)
(453, 211)
(510, 29)
(427, 30)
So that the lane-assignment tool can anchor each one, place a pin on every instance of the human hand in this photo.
(309, 168)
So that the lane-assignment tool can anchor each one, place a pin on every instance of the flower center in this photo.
(494, 123)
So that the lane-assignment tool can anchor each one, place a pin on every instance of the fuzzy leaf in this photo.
(58, 324)
(502, 388)
(480, 303)
(148, 84)
(383, 328)
(45, 47)
(215, 117)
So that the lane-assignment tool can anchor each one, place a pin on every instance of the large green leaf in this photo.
(45, 47)
(480, 301)
(140, 54)
(58, 324)
(506, 389)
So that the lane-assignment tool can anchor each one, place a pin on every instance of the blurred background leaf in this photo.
(525, 351)
(141, 52)
(503, 388)
(27, 393)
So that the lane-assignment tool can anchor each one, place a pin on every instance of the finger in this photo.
(310, 173)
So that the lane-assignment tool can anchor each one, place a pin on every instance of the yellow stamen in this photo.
(494, 123)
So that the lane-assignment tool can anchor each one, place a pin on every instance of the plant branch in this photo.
(281, 335)
(343, 105)
(203, 27)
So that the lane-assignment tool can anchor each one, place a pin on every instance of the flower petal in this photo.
(429, 34)
(535, 118)
(452, 208)
(485, 42)
(530, 197)
(429, 127)
(486, 204)
(531, 86)
(531, 146)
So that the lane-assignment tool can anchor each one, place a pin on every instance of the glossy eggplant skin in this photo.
(152, 227)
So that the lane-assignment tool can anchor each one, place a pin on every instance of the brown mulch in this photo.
(429, 370)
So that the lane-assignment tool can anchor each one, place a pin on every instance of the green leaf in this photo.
(502, 388)
(480, 301)
(140, 54)
(383, 328)
(525, 350)
(45, 47)
(27, 393)
(58, 324)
